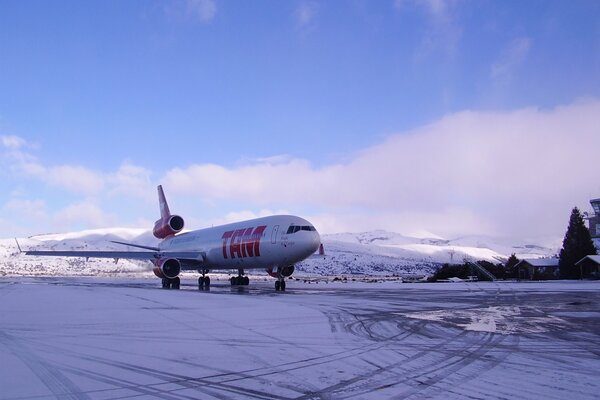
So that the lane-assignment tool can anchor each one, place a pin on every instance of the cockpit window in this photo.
(296, 228)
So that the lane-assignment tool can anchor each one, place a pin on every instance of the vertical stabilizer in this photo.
(168, 224)
(165, 213)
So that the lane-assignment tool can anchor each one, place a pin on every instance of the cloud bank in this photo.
(500, 173)
(515, 173)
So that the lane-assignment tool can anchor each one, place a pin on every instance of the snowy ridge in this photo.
(383, 253)
(14, 263)
(367, 253)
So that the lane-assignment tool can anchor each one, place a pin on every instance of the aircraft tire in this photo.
(282, 286)
(277, 286)
(175, 283)
(200, 283)
(165, 283)
(246, 281)
(207, 281)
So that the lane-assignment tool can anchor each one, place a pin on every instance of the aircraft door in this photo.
(274, 234)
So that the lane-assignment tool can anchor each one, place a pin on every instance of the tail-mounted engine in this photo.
(167, 268)
(281, 272)
(168, 227)
(168, 224)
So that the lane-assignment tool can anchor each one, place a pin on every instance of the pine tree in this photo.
(509, 267)
(576, 245)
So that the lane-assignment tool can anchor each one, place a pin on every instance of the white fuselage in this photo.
(269, 242)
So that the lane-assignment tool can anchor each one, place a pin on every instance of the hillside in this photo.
(367, 253)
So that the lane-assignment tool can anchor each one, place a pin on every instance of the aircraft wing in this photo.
(193, 256)
(134, 255)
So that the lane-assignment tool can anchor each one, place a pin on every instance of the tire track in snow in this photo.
(54, 380)
(364, 325)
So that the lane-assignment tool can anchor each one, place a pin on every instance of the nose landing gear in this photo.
(280, 273)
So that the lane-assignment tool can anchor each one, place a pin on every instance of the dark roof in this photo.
(540, 262)
(594, 259)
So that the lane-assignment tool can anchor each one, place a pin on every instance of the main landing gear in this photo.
(204, 282)
(280, 285)
(239, 280)
(171, 283)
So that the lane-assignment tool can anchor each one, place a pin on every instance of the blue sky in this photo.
(100, 101)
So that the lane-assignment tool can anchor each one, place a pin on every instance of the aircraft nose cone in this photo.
(316, 241)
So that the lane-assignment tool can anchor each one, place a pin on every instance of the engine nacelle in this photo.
(167, 268)
(165, 228)
(281, 272)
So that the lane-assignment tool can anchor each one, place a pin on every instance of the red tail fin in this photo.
(168, 224)
(165, 213)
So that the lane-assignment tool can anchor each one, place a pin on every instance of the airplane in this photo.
(275, 244)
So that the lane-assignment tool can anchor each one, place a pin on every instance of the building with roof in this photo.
(594, 219)
(538, 269)
(589, 267)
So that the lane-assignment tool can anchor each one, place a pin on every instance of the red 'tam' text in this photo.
(243, 242)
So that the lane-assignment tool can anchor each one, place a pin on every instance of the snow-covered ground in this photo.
(368, 253)
(93, 338)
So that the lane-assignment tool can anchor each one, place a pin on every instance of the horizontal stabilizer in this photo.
(137, 245)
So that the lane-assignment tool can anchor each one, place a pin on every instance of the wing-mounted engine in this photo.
(281, 272)
(167, 268)
(164, 228)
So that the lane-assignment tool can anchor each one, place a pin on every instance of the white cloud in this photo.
(12, 142)
(305, 13)
(84, 214)
(236, 216)
(438, 9)
(132, 181)
(28, 209)
(29, 216)
(443, 31)
(194, 10)
(74, 178)
(510, 59)
(204, 10)
(499, 173)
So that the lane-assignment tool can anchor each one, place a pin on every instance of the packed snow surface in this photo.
(108, 338)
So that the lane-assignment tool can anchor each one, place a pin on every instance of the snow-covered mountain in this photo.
(368, 253)
(384, 253)
(14, 263)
